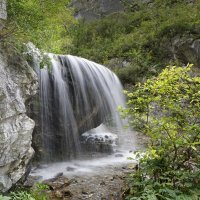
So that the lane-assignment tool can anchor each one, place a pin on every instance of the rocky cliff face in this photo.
(186, 48)
(90, 10)
(18, 82)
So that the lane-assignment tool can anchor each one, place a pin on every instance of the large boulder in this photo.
(18, 82)
(186, 49)
(96, 141)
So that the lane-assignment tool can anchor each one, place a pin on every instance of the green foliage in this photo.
(41, 186)
(4, 197)
(44, 23)
(21, 195)
(46, 62)
(167, 110)
(39, 193)
(141, 36)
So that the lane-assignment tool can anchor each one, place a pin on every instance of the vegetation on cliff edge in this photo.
(44, 23)
(141, 37)
(167, 110)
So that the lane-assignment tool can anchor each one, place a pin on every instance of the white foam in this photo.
(84, 167)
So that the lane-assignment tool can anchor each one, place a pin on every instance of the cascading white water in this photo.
(76, 95)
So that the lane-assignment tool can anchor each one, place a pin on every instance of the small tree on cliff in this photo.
(45, 23)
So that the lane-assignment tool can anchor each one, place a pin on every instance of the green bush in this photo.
(4, 198)
(21, 195)
(38, 193)
(44, 23)
(167, 110)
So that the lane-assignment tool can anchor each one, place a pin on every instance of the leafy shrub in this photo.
(44, 23)
(42, 187)
(39, 193)
(21, 195)
(167, 110)
(4, 198)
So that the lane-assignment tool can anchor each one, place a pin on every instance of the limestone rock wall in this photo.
(18, 82)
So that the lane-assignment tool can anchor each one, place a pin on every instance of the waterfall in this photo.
(76, 95)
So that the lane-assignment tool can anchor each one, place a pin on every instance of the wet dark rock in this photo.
(85, 192)
(70, 169)
(94, 142)
(123, 167)
(103, 183)
(57, 183)
(119, 155)
(58, 175)
(67, 193)
(31, 180)
(41, 166)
